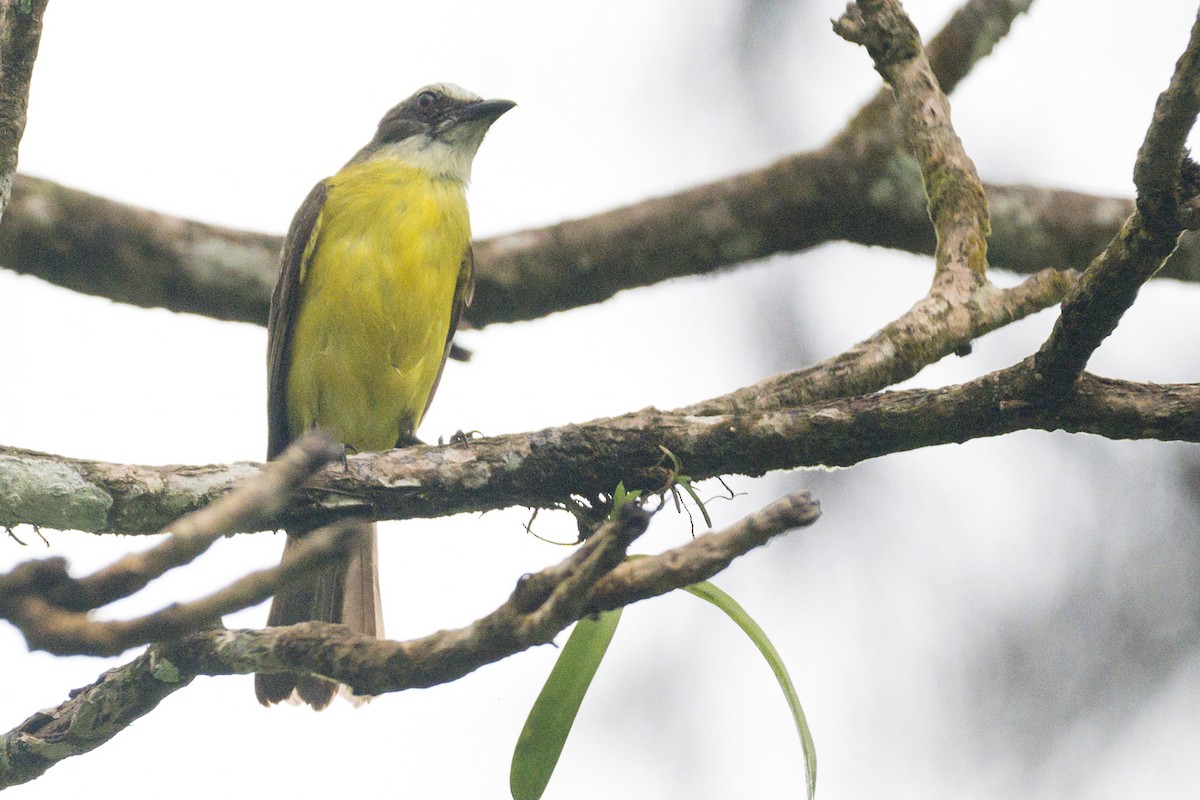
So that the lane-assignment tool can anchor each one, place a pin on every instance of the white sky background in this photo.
(229, 113)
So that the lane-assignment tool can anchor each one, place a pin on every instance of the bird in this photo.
(375, 272)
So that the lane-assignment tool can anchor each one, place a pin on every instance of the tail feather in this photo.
(346, 592)
(361, 608)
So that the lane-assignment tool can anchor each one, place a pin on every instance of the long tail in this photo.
(345, 592)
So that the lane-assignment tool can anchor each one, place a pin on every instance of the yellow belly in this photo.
(376, 302)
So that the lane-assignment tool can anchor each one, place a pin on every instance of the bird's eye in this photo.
(425, 100)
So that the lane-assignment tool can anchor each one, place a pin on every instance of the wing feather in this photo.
(298, 250)
(464, 292)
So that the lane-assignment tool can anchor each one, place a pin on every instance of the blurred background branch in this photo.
(858, 188)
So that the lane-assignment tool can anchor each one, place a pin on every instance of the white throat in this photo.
(440, 158)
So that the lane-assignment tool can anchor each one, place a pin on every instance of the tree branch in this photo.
(252, 505)
(840, 192)
(946, 321)
(957, 205)
(20, 35)
(132, 255)
(50, 628)
(961, 304)
(542, 469)
(80, 242)
(92, 716)
(776, 424)
(825, 415)
(967, 38)
(703, 557)
(51, 609)
(541, 606)
(1108, 288)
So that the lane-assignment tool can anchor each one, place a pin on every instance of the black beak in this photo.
(489, 110)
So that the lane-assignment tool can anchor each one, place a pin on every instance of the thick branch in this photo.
(80, 242)
(543, 468)
(540, 607)
(132, 255)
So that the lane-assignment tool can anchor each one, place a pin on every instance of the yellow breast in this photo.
(377, 293)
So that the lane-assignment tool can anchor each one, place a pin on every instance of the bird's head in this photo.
(438, 130)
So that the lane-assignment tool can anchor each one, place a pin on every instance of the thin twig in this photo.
(939, 324)
(704, 556)
(254, 505)
(51, 609)
(539, 608)
(50, 628)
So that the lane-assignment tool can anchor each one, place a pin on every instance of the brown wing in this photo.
(298, 249)
(464, 291)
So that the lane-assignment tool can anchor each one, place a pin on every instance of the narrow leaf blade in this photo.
(545, 733)
(706, 591)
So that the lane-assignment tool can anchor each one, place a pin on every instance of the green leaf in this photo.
(620, 497)
(553, 713)
(718, 598)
